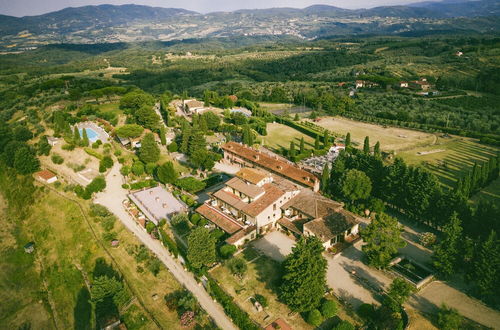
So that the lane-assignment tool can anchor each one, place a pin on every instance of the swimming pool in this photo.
(91, 134)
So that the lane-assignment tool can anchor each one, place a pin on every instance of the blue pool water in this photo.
(91, 134)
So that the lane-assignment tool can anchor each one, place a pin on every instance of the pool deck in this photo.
(101, 133)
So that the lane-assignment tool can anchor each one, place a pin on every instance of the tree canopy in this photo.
(149, 151)
(201, 248)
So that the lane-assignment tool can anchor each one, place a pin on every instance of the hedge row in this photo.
(143, 184)
(239, 317)
(94, 153)
(169, 243)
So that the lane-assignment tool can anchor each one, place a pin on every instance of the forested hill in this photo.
(127, 23)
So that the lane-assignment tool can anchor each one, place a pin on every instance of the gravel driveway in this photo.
(275, 245)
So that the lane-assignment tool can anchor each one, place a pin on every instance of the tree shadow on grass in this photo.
(83, 310)
(269, 272)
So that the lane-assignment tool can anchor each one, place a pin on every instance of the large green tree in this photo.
(447, 252)
(356, 185)
(129, 130)
(166, 173)
(304, 280)
(201, 248)
(486, 267)
(25, 161)
(149, 151)
(147, 117)
(383, 239)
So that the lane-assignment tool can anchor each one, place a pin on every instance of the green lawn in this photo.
(279, 136)
(113, 107)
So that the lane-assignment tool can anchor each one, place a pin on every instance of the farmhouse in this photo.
(237, 153)
(421, 84)
(157, 203)
(256, 201)
(46, 176)
(52, 140)
(193, 106)
(403, 84)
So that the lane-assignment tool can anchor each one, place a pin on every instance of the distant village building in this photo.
(194, 107)
(403, 84)
(46, 176)
(233, 98)
(458, 53)
(365, 84)
(421, 84)
(278, 324)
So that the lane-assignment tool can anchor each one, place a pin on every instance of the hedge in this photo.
(94, 153)
(239, 317)
(169, 243)
(143, 184)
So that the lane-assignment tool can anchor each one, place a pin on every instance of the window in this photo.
(274, 207)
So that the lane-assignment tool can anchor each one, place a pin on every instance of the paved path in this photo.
(112, 198)
(430, 298)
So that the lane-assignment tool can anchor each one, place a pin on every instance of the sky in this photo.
(37, 7)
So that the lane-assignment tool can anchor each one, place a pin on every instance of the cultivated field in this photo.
(449, 158)
(279, 136)
(390, 138)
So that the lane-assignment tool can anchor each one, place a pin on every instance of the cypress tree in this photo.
(326, 139)
(76, 135)
(162, 136)
(445, 257)
(292, 150)
(348, 140)
(376, 149)
(366, 146)
(316, 142)
(486, 269)
(85, 139)
(302, 148)
(325, 178)
(186, 133)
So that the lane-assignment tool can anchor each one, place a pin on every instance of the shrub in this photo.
(449, 318)
(217, 233)
(261, 300)
(97, 210)
(328, 309)
(427, 239)
(226, 251)
(149, 227)
(93, 153)
(366, 312)
(125, 186)
(138, 168)
(343, 325)
(314, 318)
(154, 266)
(56, 159)
(169, 243)
(172, 147)
(118, 152)
(150, 168)
(68, 146)
(108, 223)
(237, 266)
(190, 184)
(195, 218)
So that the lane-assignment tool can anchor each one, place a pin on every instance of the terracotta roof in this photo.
(219, 219)
(285, 222)
(313, 204)
(230, 198)
(278, 324)
(45, 174)
(251, 175)
(328, 227)
(240, 234)
(272, 194)
(274, 165)
(250, 190)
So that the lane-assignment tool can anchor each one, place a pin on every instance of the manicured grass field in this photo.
(67, 250)
(279, 136)
(450, 158)
(111, 107)
(390, 138)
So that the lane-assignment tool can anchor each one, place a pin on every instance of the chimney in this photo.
(164, 205)
(150, 192)
(256, 157)
(157, 199)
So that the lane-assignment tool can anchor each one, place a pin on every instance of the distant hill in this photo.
(129, 23)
